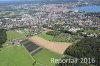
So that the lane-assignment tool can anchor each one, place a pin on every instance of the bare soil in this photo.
(57, 47)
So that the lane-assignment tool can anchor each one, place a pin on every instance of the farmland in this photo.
(61, 37)
(17, 55)
(57, 47)
(45, 36)
(11, 34)
(44, 57)
(14, 55)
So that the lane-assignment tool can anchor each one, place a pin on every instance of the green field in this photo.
(14, 55)
(45, 36)
(11, 34)
(25, 31)
(44, 57)
(17, 55)
(62, 37)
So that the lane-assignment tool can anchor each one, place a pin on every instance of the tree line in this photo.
(88, 47)
(3, 36)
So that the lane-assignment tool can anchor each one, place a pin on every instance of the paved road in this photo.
(57, 47)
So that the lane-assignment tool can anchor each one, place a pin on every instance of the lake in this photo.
(88, 8)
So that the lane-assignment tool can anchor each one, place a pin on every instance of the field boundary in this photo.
(56, 47)
(33, 57)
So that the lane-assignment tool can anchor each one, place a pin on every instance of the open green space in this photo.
(17, 55)
(12, 34)
(62, 37)
(14, 55)
(44, 57)
(25, 31)
(45, 36)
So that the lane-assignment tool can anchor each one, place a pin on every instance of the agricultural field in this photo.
(45, 36)
(25, 31)
(44, 56)
(14, 55)
(62, 37)
(12, 34)
(18, 56)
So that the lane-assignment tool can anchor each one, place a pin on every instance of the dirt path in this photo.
(57, 47)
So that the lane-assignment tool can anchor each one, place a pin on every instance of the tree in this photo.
(88, 47)
(3, 36)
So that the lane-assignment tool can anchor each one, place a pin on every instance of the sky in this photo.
(5, 0)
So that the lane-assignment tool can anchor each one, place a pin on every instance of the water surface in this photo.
(88, 8)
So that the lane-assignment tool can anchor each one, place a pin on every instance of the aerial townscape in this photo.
(50, 33)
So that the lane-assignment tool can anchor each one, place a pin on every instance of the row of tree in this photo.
(3, 36)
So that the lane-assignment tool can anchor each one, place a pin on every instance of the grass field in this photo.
(14, 55)
(18, 56)
(44, 57)
(45, 36)
(62, 37)
(11, 34)
(25, 31)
